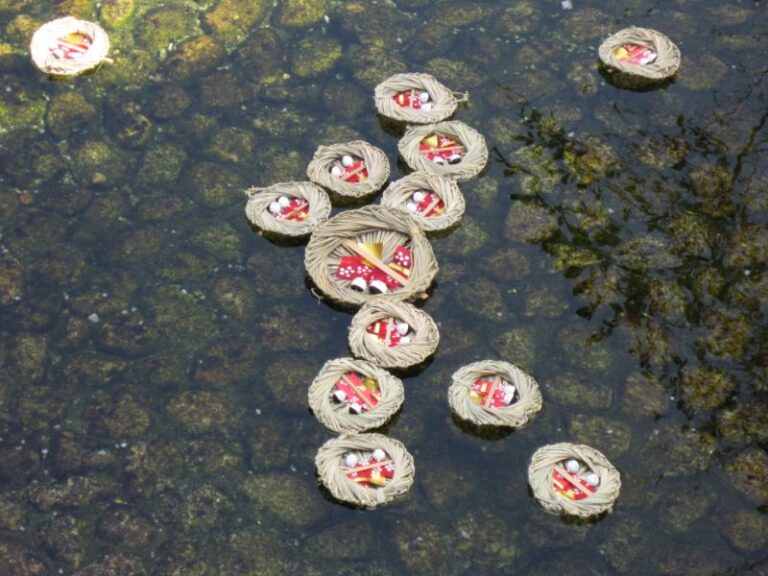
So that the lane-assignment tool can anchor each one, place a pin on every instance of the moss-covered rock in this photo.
(748, 472)
(221, 241)
(231, 20)
(126, 528)
(262, 57)
(17, 560)
(646, 252)
(744, 529)
(314, 56)
(21, 105)
(644, 395)
(516, 346)
(301, 13)
(529, 222)
(232, 144)
(470, 237)
(702, 72)
(288, 377)
(76, 492)
(162, 164)
(170, 101)
(282, 330)
(574, 392)
(227, 361)
(588, 159)
(101, 163)
(67, 112)
(745, 423)
(671, 452)
(286, 497)
(705, 387)
(165, 26)
(199, 412)
(65, 537)
(194, 57)
(482, 298)
(712, 185)
(610, 436)
(215, 185)
(373, 63)
(727, 334)
(116, 13)
(11, 279)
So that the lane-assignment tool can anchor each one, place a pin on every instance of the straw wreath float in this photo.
(393, 334)
(365, 469)
(494, 393)
(370, 253)
(639, 57)
(434, 202)
(350, 396)
(69, 47)
(352, 169)
(450, 149)
(288, 208)
(573, 479)
(416, 98)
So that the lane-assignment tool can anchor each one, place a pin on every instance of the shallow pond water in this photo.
(156, 351)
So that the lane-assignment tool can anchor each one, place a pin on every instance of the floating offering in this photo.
(416, 98)
(451, 149)
(365, 469)
(288, 208)
(374, 252)
(69, 47)
(573, 479)
(494, 393)
(434, 202)
(639, 57)
(393, 334)
(354, 169)
(350, 396)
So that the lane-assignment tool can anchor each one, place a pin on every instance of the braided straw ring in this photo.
(664, 66)
(374, 335)
(337, 415)
(356, 180)
(333, 469)
(442, 101)
(548, 460)
(438, 211)
(470, 140)
(287, 222)
(53, 51)
(343, 234)
(526, 396)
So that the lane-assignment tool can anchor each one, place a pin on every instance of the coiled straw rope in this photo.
(337, 415)
(527, 399)
(474, 158)
(370, 224)
(443, 102)
(547, 459)
(332, 469)
(423, 334)
(45, 52)
(257, 209)
(437, 213)
(665, 65)
(328, 158)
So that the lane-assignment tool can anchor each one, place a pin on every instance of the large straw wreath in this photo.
(434, 202)
(416, 98)
(478, 390)
(341, 398)
(288, 208)
(548, 471)
(470, 147)
(69, 47)
(353, 169)
(664, 66)
(333, 469)
(379, 330)
(350, 234)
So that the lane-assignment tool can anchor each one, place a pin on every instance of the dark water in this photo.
(156, 351)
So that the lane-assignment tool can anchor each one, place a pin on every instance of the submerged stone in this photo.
(575, 392)
(163, 27)
(748, 473)
(200, 412)
(314, 56)
(529, 222)
(516, 346)
(482, 298)
(301, 13)
(286, 497)
(194, 57)
(68, 112)
(644, 396)
(231, 20)
(705, 387)
(612, 437)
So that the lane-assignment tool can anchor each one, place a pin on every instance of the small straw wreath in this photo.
(257, 209)
(336, 415)
(442, 100)
(371, 224)
(446, 196)
(540, 477)
(667, 54)
(47, 38)
(331, 467)
(423, 334)
(527, 396)
(473, 161)
(327, 158)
